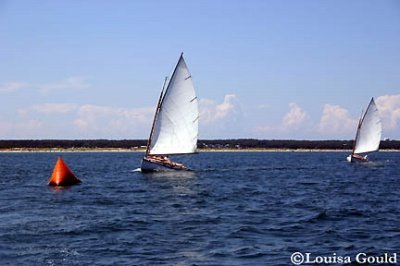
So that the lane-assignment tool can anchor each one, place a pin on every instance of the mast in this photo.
(357, 133)
(155, 117)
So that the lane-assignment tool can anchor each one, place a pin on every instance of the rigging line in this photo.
(155, 117)
(357, 132)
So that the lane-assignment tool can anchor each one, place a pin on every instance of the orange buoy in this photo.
(62, 175)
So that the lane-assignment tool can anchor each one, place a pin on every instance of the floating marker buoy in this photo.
(62, 175)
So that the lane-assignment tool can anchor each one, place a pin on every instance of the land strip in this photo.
(226, 145)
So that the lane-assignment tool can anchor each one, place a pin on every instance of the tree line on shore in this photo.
(202, 144)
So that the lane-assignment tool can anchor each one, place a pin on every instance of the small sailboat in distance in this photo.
(368, 136)
(175, 125)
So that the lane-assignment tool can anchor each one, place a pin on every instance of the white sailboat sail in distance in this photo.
(369, 132)
(175, 125)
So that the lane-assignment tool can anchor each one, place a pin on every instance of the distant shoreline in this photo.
(72, 150)
(216, 145)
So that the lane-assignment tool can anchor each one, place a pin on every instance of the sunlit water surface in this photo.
(233, 209)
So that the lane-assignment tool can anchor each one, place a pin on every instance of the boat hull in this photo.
(149, 165)
(356, 158)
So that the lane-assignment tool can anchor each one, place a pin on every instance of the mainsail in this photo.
(175, 129)
(369, 131)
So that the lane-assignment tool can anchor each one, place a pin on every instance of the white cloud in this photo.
(48, 109)
(210, 112)
(295, 117)
(389, 110)
(33, 127)
(261, 129)
(22, 128)
(114, 121)
(13, 86)
(71, 83)
(336, 122)
(263, 106)
(221, 120)
(217, 120)
(51, 108)
(5, 127)
(63, 120)
(95, 121)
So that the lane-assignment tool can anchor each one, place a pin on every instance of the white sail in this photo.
(370, 131)
(176, 124)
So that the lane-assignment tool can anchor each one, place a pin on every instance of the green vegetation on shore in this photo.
(218, 144)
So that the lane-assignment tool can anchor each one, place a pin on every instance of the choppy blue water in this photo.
(234, 209)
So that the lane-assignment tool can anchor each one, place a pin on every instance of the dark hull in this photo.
(150, 165)
(356, 158)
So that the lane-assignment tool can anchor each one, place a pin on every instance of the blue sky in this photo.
(262, 69)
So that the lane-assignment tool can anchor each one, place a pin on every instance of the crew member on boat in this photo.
(360, 157)
(165, 161)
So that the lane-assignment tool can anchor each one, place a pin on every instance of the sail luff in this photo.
(155, 117)
(357, 132)
(172, 76)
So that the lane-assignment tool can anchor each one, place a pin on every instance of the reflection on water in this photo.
(171, 175)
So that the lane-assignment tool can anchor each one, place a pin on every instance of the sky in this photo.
(265, 69)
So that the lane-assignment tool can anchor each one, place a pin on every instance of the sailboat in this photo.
(175, 125)
(368, 136)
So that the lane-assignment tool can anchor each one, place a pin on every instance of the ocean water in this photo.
(233, 209)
